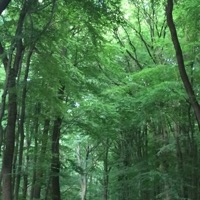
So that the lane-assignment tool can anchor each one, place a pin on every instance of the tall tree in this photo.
(180, 60)
(12, 71)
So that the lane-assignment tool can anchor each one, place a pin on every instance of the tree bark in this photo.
(4, 96)
(36, 128)
(10, 138)
(83, 162)
(21, 126)
(55, 163)
(7, 166)
(26, 169)
(40, 169)
(106, 170)
(180, 60)
(3, 5)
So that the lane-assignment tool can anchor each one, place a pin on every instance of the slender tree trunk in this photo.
(84, 175)
(3, 5)
(26, 165)
(21, 126)
(10, 137)
(125, 153)
(36, 136)
(40, 169)
(55, 163)
(3, 101)
(55, 151)
(7, 166)
(106, 171)
(180, 61)
(4, 95)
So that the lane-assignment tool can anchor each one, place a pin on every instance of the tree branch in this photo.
(180, 61)
(3, 5)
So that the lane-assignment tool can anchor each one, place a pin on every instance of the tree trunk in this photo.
(125, 146)
(26, 168)
(180, 61)
(3, 5)
(21, 127)
(55, 163)
(40, 168)
(10, 138)
(84, 175)
(36, 128)
(106, 171)
(7, 165)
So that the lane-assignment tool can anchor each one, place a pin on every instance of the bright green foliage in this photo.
(108, 70)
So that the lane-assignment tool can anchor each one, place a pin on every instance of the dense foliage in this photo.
(99, 100)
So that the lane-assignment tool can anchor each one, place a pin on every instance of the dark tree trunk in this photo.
(36, 140)
(55, 151)
(125, 146)
(7, 165)
(40, 170)
(106, 171)
(26, 169)
(10, 138)
(180, 61)
(3, 100)
(55, 163)
(3, 5)
(21, 127)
